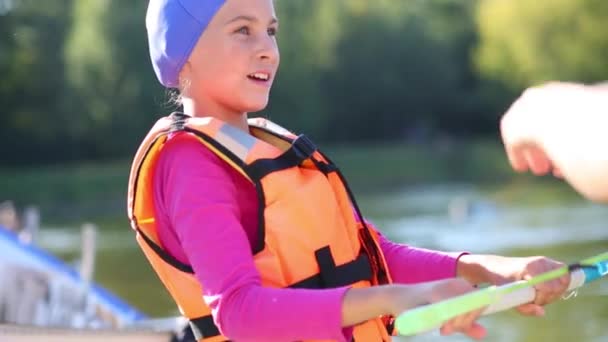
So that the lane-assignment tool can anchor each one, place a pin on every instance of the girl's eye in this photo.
(272, 31)
(243, 30)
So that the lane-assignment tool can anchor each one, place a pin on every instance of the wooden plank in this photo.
(21, 333)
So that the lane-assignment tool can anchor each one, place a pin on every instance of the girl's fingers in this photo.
(470, 318)
(564, 282)
(462, 323)
(452, 326)
(477, 331)
(531, 310)
(551, 291)
(540, 298)
(474, 330)
(447, 329)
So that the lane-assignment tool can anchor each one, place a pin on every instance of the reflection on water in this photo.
(460, 218)
(501, 229)
(449, 218)
(65, 240)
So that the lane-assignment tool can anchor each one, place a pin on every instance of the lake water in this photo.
(445, 217)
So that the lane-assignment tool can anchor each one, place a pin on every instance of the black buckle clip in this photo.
(178, 121)
(303, 147)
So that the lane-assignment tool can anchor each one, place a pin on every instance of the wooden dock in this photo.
(22, 333)
(42, 298)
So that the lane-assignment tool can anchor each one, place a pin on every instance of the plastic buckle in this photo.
(303, 147)
(178, 121)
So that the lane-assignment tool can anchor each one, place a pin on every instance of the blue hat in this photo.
(174, 27)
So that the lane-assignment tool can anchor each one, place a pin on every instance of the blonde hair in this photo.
(174, 98)
(174, 95)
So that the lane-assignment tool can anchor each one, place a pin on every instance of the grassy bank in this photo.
(68, 192)
(382, 166)
(97, 191)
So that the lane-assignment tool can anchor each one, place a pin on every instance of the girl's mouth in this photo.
(260, 77)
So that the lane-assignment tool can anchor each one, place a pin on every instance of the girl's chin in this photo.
(255, 106)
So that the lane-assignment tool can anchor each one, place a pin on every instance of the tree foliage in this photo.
(77, 81)
(528, 42)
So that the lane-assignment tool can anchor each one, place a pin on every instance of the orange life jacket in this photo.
(309, 236)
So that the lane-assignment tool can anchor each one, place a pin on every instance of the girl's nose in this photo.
(268, 49)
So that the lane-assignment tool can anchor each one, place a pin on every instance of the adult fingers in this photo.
(517, 158)
(537, 160)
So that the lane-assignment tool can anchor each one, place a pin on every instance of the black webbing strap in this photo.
(163, 254)
(203, 327)
(332, 276)
(301, 149)
(178, 121)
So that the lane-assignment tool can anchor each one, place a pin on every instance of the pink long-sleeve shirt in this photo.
(207, 218)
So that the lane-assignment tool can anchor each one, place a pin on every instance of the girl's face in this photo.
(233, 65)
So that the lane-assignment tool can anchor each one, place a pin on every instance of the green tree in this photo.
(307, 37)
(527, 42)
(32, 82)
(77, 81)
(402, 69)
(110, 76)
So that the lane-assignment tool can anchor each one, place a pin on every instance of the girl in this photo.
(252, 229)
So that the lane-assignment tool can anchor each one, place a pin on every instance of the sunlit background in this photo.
(405, 94)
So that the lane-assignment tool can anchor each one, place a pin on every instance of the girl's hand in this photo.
(432, 292)
(499, 270)
(546, 292)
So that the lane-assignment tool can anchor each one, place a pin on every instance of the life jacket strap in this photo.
(178, 121)
(204, 327)
(332, 276)
(301, 149)
(163, 254)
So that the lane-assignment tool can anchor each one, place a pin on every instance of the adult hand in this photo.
(561, 128)
(536, 112)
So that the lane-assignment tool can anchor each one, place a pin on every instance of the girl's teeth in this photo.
(260, 76)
